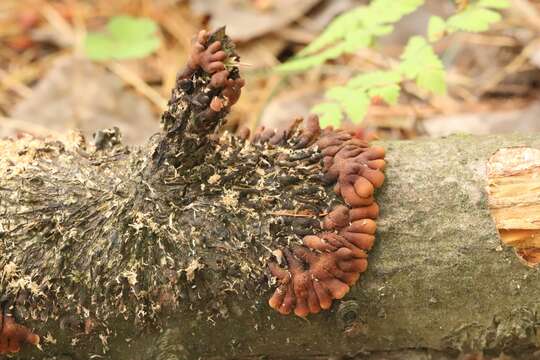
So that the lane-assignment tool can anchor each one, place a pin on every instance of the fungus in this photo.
(13, 335)
(243, 132)
(292, 136)
(210, 58)
(361, 233)
(308, 291)
(310, 132)
(327, 264)
(263, 135)
(338, 218)
(364, 212)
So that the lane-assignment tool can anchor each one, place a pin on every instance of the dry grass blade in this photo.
(142, 87)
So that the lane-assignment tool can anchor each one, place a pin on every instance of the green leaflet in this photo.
(356, 40)
(432, 80)
(421, 63)
(125, 37)
(417, 54)
(436, 28)
(302, 64)
(389, 93)
(337, 30)
(329, 114)
(473, 19)
(477, 17)
(351, 43)
(353, 30)
(494, 4)
(375, 79)
(355, 102)
(354, 98)
(390, 11)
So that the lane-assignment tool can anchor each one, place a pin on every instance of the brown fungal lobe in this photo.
(330, 262)
(13, 335)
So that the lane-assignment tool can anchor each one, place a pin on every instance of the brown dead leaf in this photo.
(77, 94)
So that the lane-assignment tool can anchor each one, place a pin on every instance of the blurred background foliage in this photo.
(81, 64)
(361, 27)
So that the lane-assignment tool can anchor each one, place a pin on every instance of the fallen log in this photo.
(161, 252)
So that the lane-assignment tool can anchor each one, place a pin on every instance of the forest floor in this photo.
(47, 87)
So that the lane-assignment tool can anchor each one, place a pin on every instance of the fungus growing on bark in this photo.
(338, 258)
(356, 168)
(210, 59)
(308, 291)
(114, 230)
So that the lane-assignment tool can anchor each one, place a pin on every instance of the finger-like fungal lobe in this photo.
(13, 336)
(328, 263)
(200, 101)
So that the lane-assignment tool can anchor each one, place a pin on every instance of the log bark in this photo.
(438, 283)
(162, 252)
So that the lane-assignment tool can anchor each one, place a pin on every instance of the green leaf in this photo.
(421, 63)
(330, 114)
(389, 93)
(418, 56)
(356, 107)
(384, 84)
(98, 46)
(125, 38)
(390, 11)
(432, 80)
(351, 42)
(378, 29)
(473, 19)
(436, 28)
(128, 28)
(355, 102)
(375, 79)
(356, 40)
(299, 64)
(305, 63)
(337, 30)
(494, 4)
(374, 19)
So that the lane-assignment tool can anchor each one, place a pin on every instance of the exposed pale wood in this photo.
(514, 199)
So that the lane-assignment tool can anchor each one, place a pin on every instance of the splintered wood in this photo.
(514, 199)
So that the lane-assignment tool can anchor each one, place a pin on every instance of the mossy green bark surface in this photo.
(437, 281)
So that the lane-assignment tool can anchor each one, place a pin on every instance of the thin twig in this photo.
(513, 67)
(296, 214)
(139, 84)
(11, 83)
(58, 23)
